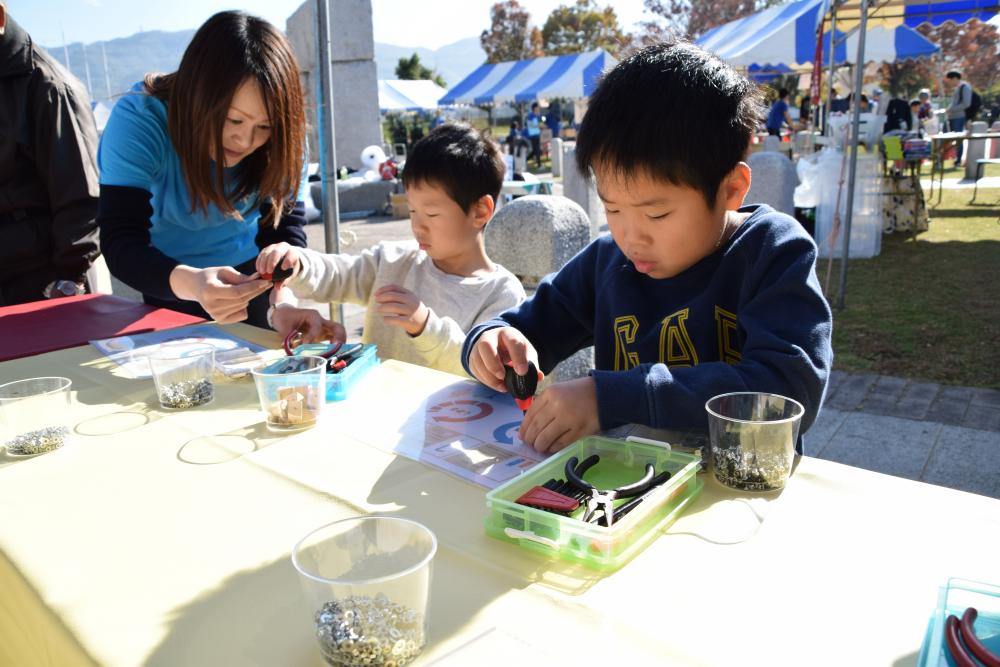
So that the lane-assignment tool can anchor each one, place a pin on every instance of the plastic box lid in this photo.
(338, 385)
(955, 597)
(595, 546)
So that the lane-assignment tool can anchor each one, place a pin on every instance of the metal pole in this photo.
(107, 76)
(66, 50)
(327, 135)
(86, 69)
(829, 79)
(859, 75)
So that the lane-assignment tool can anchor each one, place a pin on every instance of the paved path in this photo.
(924, 431)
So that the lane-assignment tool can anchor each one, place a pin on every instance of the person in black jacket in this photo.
(48, 173)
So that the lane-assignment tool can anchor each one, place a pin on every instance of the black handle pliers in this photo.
(603, 500)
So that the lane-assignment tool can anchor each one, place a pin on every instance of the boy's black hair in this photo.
(459, 159)
(674, 112)
(953, 74)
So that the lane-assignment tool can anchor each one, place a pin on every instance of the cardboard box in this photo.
(399, 206)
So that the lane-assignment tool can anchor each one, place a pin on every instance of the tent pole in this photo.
(327, 136)
(829, 78)
(859, 76)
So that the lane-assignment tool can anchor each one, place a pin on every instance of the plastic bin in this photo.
(338, 385)
(595, 546)
(955, 597)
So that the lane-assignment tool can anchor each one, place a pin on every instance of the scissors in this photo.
(603, 500)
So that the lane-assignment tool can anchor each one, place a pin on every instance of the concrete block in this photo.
(822, 431)
(888, 445)
(536, 235)
(771, 143)
(950, 392)
(576, 366)
(947, 411)
(556, 152)
(983, 418)
(353, 197)
(581, 189)
(851, 392)
(988, 397)
(355, 79)
(889, 385)
(965, 459)
(975, 149)
(773, 181)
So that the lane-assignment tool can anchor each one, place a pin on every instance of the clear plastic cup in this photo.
(182, 373)
(292, 392)
(36, 415)
(753, 439)
(367, 585)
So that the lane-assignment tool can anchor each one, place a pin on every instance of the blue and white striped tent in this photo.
(573, 76)
(786, 35)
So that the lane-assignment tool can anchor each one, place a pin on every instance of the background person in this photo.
(779, 114)
(533, 131)
(48, 173)
(961, 100)
(203, 167)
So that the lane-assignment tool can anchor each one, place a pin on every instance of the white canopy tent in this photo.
(408, 95)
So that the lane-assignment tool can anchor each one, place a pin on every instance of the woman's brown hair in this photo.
(230, 48)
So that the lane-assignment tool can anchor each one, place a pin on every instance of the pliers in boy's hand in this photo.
(603, 500)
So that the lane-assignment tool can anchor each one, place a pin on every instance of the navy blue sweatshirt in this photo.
(749, 317)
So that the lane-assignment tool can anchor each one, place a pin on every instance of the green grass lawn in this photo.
(927, 308)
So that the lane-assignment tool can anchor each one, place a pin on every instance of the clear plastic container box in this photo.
(955, 597)
(590, 544)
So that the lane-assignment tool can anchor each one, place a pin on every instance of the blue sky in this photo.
(429, 23)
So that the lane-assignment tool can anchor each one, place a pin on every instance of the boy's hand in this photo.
(402, 308)
(314, 327)
(492, 351)
(561, 415)
(267, 260)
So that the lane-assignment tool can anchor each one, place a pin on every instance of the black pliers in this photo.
(603, 500)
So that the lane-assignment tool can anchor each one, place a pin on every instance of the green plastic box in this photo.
(595, 546)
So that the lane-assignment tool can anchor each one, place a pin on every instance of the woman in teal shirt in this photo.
(192, 164)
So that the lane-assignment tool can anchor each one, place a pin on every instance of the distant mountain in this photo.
(453, 62)
(130, 58)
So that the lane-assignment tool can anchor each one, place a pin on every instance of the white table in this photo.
(152, 544)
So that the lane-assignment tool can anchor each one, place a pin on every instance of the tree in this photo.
(510, 37)
(581, 27)
(412, 69)
(970, 47)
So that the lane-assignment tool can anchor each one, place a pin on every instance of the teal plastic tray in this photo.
(955, 597)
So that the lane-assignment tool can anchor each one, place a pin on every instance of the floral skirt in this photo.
(903, 205)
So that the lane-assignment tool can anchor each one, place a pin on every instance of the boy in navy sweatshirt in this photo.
(691, 295)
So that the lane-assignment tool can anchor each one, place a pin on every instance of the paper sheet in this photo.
(465, 429)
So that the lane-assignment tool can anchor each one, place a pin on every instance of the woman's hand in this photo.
(313, 326)
(222, 291)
